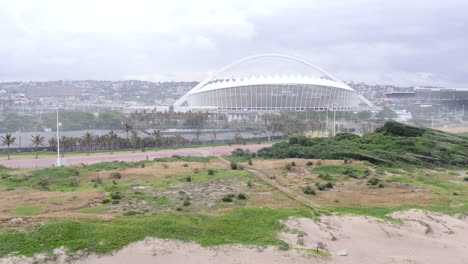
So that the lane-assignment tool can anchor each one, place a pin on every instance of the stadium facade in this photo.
(272, 92)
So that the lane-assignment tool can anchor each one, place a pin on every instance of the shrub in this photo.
(309, 163)
(227, 198)
(320, 186)
(186, 201)
(241, 196)
(185, 165)
(196, 170)
(288, 167)
(211, 172)
(373, 181)
(329, 185)
(325, 176)
(233, 165)
(239, 152)
(465, 179)
(43, 182)
(116, 195)
(115, 201)
(188, 178)
(249, 184)
(250, 162)
(178, 209)
(74, 182)
(319, 163)
(116, 175)
(97, 180)
(105, 201)
(380, 185)
(293, 164)
(308, 190)
(346, 160)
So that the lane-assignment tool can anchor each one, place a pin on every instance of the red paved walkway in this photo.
(73, 160)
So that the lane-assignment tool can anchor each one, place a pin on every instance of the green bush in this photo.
(186, 201)
(325, 177)
(105, 201)
(373, 181)
(308, 190)
(185, 165)
(188, 178)
(211, 172)
(97, 180)
(233, 165)
(465, 178)
(227, 198)
(74, 182)
(43, 182)
(250, 162)
(116, 175)
(241, 196)
(293, 164)
(116, 195)
(309, 163)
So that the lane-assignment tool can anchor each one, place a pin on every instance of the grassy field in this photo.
(105, 206)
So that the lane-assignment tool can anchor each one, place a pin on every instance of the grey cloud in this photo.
(401, 42)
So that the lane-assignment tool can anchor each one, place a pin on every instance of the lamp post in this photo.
(59, 162)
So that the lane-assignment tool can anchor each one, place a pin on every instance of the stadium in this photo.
(272, 92)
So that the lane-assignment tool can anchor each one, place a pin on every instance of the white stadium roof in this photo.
(261, 80)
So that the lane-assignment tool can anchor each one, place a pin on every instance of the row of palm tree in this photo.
(9, 140)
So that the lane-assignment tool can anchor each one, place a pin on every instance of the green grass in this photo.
(341, 169)
(201, 176)
(26, 210)
(248, 226)
(92, 210)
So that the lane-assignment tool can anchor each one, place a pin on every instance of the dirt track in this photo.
(128, 156)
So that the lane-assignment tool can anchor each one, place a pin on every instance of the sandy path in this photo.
(74, 160)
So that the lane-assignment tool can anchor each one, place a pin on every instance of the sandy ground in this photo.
(422, 238)
(127, 156)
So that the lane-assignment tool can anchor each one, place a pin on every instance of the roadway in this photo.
(128, 156)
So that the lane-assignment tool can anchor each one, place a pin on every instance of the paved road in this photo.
(74, 160)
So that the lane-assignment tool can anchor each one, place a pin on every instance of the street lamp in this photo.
(59, 161)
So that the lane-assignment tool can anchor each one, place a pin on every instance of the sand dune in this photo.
(422, 237)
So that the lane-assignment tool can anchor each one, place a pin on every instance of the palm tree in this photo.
(113, 137)
(214, 134)
(36, 142)
(178, 139)
(87, 140)
(127, 128)
(134, 138)
(157, 137)
(52, 143)
(197, 132)
(8, 140)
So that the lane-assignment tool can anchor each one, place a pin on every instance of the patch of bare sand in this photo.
(424, 237)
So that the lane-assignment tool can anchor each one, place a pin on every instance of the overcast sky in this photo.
(402, 42)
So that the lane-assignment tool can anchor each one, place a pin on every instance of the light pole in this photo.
(59, 162)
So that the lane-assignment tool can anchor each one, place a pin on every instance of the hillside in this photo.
(394, 144)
